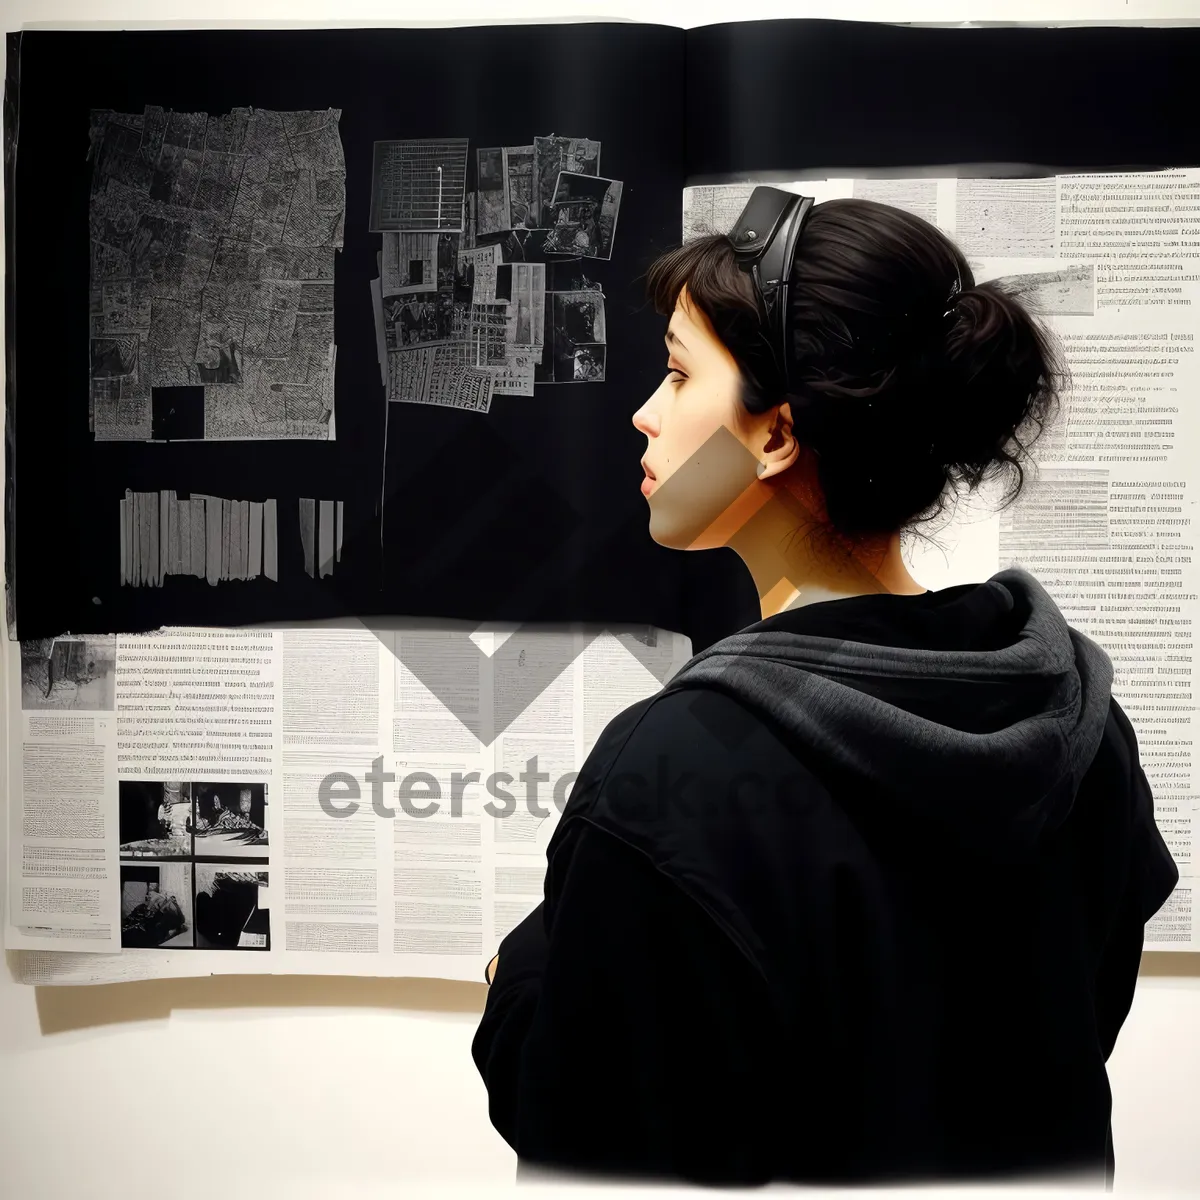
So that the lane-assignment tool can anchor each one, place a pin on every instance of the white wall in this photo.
(364, 1088)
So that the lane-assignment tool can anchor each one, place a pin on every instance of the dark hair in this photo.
(895, 399)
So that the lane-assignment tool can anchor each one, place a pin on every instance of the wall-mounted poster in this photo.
(311, 324)
(308, 324)
(282, 290)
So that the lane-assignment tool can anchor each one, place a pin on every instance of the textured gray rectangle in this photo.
(124, 542)
(270, 541)
(307, 533)
(325, 540)
(212, 556)
(199, 537)
(254, 560)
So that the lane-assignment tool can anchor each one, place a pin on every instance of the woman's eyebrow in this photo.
(671, 337)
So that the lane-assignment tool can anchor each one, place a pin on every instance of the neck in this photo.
(794, 563)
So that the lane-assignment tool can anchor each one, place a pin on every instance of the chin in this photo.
(660, 531)
(675, 535)
(688, 510)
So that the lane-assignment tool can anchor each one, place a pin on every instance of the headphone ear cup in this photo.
(764, 239)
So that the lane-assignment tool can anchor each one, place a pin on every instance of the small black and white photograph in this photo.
(589, 362)
(156, 906)
(418, 185)
(232, 908)
(554, 154)
(507, 190)
(519, 167)
(230, 820)
(69, 673)
(574, 321)
(421, 319)
(522, 287)
(492, 213)
(155, 818)
(583, 216)
(409, 262)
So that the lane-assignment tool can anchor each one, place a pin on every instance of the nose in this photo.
(647, 422)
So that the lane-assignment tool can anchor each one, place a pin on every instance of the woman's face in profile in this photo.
(692, 477)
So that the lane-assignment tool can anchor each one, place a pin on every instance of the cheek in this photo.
(696, 413)
(705, 468)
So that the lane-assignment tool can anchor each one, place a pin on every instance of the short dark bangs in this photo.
(708, 268)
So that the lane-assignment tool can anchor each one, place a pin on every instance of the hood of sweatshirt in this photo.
(977, 707)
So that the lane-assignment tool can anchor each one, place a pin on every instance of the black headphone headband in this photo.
(764, 242)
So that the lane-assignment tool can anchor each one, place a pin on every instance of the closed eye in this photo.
(676, 372)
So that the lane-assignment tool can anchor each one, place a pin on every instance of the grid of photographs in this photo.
(482, 292)
(194, 865)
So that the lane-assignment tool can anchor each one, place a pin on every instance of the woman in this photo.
(860, 894)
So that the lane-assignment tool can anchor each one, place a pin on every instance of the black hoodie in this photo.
(859, 896)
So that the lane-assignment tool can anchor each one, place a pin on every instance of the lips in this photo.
(649, 473)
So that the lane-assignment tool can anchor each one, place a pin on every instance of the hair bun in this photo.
(995, 367)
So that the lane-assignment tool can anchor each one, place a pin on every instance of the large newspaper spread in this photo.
(316, 800)
(166, 813)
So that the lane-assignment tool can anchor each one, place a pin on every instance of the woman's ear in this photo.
(779, 449)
